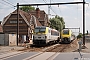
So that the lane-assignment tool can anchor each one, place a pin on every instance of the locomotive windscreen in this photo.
(40, 29)
(66, 32)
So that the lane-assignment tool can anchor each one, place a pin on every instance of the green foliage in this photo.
(79, 36)
(57, 23)
(27, 8)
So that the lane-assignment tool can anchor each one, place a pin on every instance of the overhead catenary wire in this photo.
(50, 7)
(3, 3)
(24, 1)
(45, 1)
(8, 7)
(59, 9)
(53, 11)
(8, 3)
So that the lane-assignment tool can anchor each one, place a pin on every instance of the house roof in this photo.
(42, 13)
(26, 16)
(5, 19)
(36, 20)
(43, 16)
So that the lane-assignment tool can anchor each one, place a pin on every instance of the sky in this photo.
(72, 14)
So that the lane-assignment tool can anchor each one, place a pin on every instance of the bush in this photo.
(79, 36)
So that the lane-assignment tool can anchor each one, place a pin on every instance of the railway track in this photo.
(52, 52)
(50, 55)
(58, 48)
(34, 48)
(62, 47)
(51, 48)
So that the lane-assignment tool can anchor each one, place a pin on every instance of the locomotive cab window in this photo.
(66, 32)
(39, 29)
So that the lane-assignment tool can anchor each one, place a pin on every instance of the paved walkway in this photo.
(9, 48)
(87, 49)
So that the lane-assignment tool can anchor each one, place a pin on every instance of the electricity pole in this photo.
(17, 23)
(49, 6)
(83, 22)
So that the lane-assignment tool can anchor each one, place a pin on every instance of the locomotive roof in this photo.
(45, 27)
(40, 27)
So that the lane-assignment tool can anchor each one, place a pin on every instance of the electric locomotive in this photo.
(67, 36)
(44, 35)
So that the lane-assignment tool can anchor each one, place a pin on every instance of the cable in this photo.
(45, 1)
(53, 10)
(59, 9)
(24, 1)
(8, 3)
(61, 12)
(2, 3)
(6, 8)
(50, 7)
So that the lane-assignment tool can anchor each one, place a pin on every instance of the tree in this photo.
(27, 8)
(79, 36)
(61, 19)
(57, 23)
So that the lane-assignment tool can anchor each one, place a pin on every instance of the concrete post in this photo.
(80, 45)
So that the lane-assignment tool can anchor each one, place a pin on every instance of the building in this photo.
(27, 23)
(41, 16)
(1, 30)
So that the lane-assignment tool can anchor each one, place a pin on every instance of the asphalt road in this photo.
(59, 56)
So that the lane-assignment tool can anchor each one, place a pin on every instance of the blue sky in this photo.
(72, 14)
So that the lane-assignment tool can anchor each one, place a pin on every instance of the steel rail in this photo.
(60, 50)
